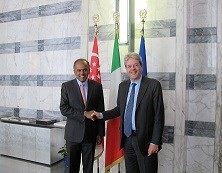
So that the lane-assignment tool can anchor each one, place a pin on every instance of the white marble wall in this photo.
(201, 101)
(42, 39)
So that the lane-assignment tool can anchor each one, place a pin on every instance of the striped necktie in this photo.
(82, 89)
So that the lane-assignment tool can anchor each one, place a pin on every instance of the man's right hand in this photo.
(96, 115)
(89, 115)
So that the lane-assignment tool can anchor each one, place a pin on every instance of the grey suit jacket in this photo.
(149, 116)
(72, 106)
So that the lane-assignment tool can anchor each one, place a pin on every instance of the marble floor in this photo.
(13, 165)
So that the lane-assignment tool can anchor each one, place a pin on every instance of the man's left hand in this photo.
(153, 148)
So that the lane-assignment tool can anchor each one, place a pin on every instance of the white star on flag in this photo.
(94, 63)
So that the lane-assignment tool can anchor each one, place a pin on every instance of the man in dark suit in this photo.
(142, 118)
(78, 98)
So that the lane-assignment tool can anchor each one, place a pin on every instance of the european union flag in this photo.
(143, 55)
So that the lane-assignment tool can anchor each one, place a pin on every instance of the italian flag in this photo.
(114, 154)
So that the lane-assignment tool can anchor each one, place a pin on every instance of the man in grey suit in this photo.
(78, 97)
(140, 105)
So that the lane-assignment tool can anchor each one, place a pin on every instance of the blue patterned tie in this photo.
(128, 114)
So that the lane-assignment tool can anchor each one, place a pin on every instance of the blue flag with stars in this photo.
(142, 53)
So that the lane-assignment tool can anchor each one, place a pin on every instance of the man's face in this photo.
(81, 70)
(133, 69)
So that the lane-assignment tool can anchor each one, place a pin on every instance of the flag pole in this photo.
(116, 18)
(143, 14)
(96, 31)
(142, 50)
(95, 21)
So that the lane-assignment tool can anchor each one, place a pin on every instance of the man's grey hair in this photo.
(132, 55)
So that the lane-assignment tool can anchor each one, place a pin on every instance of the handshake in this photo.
(92, 115)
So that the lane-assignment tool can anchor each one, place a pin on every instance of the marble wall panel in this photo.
(29, 46)
(48, 62)
(201, 13)
(3, 61)
(165, 157)
(160, 61)
(28, 142)
(59, 8)
(41, 10)
(157, 28)
(169, 105)
(6, 110)
(200, 153)
(201, 82)
(104, 10)
(30, 13)
(2, 138)
(28, 97)
(3, 29)
(42, 145)
(202, 35)
(2, 96)
(201, 105)
(20, 31)
(23, 4)
(45, 98)
(10, 16)
(51, 26)
(202, 58)
(200, 128)
(30, 64)
(10, 96)
(27, 113)
(53, 63)
(56, 91)
(52, 115)
(14, 140)
(66, 43)
(156, 10)
(7, 48)
(106, 32)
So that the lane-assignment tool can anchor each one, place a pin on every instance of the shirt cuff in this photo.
(100, 116)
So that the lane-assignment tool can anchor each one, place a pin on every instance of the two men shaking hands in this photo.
(93, 115)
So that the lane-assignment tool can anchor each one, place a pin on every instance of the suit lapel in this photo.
(125, 93)
(77, 89)
(143, 87)
(90, 89)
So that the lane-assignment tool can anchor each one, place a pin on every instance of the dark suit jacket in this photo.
(72, 106)
(149, 116)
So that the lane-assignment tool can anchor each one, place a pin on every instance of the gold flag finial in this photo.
(116, 19)
(95, 21)
(143, 15)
